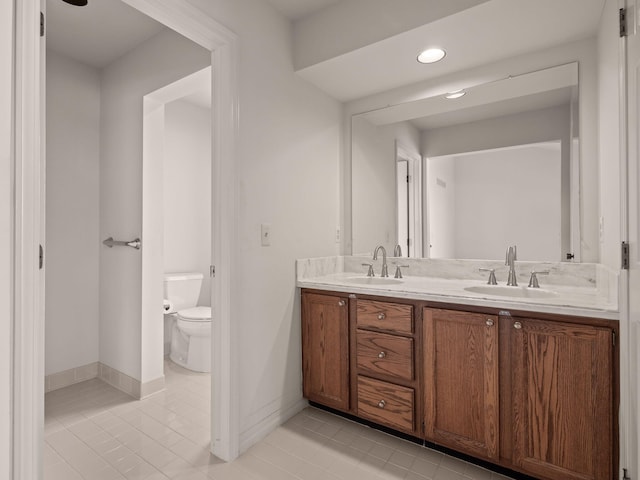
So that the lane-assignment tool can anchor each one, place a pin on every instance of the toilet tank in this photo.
(182, 289)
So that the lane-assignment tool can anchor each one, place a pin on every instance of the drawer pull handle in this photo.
(341, 303)
(382, 355)
(517, 325)
(381, 316)
(489, 322)
(382, 404)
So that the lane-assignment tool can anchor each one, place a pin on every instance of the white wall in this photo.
(609, 134)
(187, 192)
(6, 229)
(374, 190)
(73, 148)
(152, 235)
(584, 52)
(536, 126)
(440, 198)
(374, 186)
(508, 197)
(157, 62)
(287, 165)
(505, 131)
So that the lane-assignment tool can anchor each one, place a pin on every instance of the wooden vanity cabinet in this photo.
(325, 349)
(462, 381)
(387, 385)
(535, 393)
(562, 410)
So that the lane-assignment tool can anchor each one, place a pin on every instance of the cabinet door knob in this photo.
(489, 322)
(381, 316)
(341, 303)
(382, 355)
(382, 404)
(517, 325)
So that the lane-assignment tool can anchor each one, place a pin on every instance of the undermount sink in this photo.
(373, 280)
(516, 292)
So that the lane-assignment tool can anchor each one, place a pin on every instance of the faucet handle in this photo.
(492, 275)
(533, 281)
(370, 272)
(398, 271)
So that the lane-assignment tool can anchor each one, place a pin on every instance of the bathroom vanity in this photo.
(520, 383)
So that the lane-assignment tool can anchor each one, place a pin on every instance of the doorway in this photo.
(28, 344)
(176, 211)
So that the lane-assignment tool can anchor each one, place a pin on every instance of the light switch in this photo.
(601, 229)
(265, 234)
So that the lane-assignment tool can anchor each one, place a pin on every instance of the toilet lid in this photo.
(196, 314)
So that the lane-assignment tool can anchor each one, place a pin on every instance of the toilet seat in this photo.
(195, 314)
(191, 339)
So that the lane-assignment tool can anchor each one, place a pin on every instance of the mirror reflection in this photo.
(463, 178)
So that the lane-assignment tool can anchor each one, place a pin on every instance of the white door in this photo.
(28, 287)
(402, 178)
(630, 358)
(409, 201)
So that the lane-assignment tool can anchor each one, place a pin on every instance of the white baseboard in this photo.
(151, 388)
(113, 377)
(72, 376)
(129, 385)
(265, 426)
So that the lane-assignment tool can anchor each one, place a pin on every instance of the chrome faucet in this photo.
(492, 275)
(533, 281)
(370, 272)
(512, 256)
(398, 271)
(385, 271)
(397, 251)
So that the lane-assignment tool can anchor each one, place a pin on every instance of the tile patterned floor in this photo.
(95, 432)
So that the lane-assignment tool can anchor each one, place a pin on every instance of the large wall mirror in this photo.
(465, 177)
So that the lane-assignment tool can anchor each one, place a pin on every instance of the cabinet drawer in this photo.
(392, 317)
(380, 353)
(386, 403)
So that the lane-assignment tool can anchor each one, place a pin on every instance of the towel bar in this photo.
(110, 242)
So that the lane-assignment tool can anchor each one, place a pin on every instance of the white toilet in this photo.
(191, 332)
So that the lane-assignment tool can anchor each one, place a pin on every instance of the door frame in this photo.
(192, 23)
(27, 435)
(28, 280)
(629, 323)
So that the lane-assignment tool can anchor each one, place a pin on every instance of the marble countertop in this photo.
(584, 300)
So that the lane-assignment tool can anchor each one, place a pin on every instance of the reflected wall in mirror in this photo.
(479, 202)
(508, 123)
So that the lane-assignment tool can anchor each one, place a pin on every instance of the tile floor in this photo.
(95, 432)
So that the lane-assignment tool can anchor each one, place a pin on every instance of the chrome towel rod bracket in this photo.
(110, 242)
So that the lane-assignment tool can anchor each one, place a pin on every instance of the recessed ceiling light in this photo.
(456, 94)
(77, 3)
(431, 55)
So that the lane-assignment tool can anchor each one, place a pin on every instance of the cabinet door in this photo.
(382, 354)
(386, 403)
(325, 349)
(461, 381)
(562, 399)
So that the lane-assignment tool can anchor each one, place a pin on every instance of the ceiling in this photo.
(99, 33)
(473, 37)
(526, 103)
(106, 29)
(297, 9)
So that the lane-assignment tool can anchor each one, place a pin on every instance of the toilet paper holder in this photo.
(110, 242)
